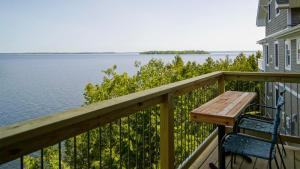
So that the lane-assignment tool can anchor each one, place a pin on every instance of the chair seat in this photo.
(249, 146)
(256, 125)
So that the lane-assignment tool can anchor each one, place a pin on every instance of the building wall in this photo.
(271, 66)
(291, 110)
(277, 23)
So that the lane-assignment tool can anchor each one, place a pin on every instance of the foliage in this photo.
(134, 141)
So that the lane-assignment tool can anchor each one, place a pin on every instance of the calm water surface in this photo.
(33, 85)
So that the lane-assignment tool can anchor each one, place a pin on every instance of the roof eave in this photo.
(291, 32)
(261, 13)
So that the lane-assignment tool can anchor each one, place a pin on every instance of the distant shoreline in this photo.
(147, 52)
(177, 52)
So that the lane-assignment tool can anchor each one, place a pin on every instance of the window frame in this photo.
(298, 50)
(269, 11)
(287, 46)
(276, 8)
(276, 59)
(267, 53)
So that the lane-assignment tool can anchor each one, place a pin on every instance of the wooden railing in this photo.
(180, 140)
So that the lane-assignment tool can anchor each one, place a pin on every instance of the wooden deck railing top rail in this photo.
(26, 137)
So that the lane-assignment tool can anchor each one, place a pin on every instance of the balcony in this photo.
(147, 129)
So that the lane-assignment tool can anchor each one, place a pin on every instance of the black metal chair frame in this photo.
(234, 139)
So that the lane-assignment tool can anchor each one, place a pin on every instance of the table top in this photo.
(224, 109)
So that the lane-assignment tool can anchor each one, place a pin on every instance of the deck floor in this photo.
(210, 154)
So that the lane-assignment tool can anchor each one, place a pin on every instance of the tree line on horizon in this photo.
(176, 52)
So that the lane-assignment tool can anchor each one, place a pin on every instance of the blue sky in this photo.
(127, 25)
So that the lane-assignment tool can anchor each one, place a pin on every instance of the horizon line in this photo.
(117, 52)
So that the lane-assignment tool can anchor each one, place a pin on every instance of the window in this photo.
(277, 9)
(267, 54)
(269, 11)
(276, 53)
(298, 51)
(287, 49)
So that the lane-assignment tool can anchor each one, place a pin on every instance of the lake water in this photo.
(33, 85)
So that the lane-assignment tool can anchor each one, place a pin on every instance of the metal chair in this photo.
(245, 145)
(259, 124)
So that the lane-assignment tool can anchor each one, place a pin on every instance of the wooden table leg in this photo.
(221, 156)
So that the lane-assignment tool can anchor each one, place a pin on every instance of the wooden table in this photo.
(223, 111)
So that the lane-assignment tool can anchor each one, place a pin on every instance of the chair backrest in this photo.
(280, 103)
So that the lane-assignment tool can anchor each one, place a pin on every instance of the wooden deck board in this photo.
(289, 159)
(292, 160)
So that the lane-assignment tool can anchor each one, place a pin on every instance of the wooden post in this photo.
(167, 156)
(221, 84)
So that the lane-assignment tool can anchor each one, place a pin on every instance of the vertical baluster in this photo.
(128, 131)
(156, 138)
(157, 152)
(193, 123)
(185, 138)
(267, 94)
(149, 136)
(181, 132)
(298, 108)
(100, 147)
(284, 107)
(88, 150)
(42, 158)
(197, 125)
(272, 99)
(291, 110)
(249, 90)
(59, 155)
(187, 124)
(202, 101)
(143, 116)
(176, 135)
(120, 141)
(21, 162)
(110, 145)
(75, 153)
(136, 140)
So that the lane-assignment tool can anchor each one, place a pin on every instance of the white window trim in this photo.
(268, 51)
(274, 62)
(297, 48)
(287, 42)
(276, 6)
